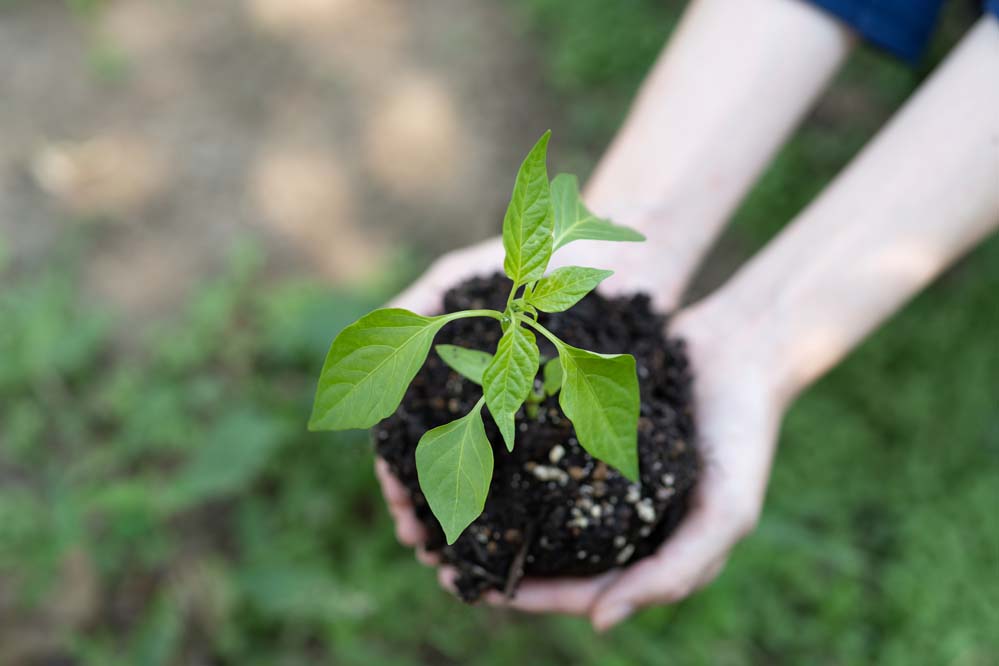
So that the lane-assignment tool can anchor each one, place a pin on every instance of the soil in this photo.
(552, 509)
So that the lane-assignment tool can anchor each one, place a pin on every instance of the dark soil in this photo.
(552, 509)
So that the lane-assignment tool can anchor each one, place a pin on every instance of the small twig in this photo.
(484, 573)
(516, 571)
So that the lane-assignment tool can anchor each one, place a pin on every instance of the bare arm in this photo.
(919, 196)
(728, 90)
(730, 87)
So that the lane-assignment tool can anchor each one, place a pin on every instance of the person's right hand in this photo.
(738, 411)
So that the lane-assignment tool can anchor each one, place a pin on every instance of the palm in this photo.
(737, 424)
(737, 418)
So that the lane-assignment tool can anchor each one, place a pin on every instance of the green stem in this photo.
(543, 331)
(464, 314)
(509, 299)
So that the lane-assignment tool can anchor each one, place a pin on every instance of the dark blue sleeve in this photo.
(902, 27)
(993, 6)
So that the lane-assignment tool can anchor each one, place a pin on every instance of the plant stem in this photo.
(464, 314)
(509, 299)
(543, 331)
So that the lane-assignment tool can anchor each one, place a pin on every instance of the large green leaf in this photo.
(527, 226)
(574, 222)
(600, 396)
(369, 366)
(552, 373)
(564, 287)
(510, 377)
(455, 467)
(469, 363)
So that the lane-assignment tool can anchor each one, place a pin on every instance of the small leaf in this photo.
(510, 377)
(552, 374)
(454, 463)
(527, 226)
(564, 287)
(369, 366)
(600, 396)
(574, 222)
(469, 363)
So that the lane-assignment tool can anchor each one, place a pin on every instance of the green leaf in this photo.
(574, 222)
(527, 226)
(469, 363)
(552, 373)
(369, 366)
(564, 287)
(454, 463)
(600, 396)
(510, 377)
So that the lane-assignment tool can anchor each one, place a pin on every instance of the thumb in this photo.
(666, 577)
(425, 296)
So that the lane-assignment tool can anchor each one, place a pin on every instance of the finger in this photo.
(669, 575)
(446, 577)
(392, 488)
(408, 529)
(572, 596)
(424, 556)
(425, 296)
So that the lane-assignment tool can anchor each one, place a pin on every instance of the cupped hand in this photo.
(637, 266)
(738, 416)
(737, 413)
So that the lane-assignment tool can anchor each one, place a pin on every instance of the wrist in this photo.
(679, 230)
(732, 338)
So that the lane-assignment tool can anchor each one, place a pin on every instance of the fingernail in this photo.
(604, 619)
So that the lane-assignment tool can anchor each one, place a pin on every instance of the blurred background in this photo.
(195, 196)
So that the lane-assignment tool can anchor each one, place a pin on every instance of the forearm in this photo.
(919, 196)
(734, 81)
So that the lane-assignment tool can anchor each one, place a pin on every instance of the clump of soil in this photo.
(552, 509)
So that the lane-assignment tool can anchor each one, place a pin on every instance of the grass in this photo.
(166, 506)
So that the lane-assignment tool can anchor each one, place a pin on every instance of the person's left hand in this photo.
(738, 415)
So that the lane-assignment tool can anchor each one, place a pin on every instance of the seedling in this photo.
(371, 362)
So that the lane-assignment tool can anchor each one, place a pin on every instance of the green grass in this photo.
(165, 505)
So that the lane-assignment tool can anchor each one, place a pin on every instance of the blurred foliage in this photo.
(165, 505)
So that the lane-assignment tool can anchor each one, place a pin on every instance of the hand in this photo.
(738, 415)
(639, 267)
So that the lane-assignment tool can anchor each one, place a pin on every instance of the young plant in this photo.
(372, 361)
